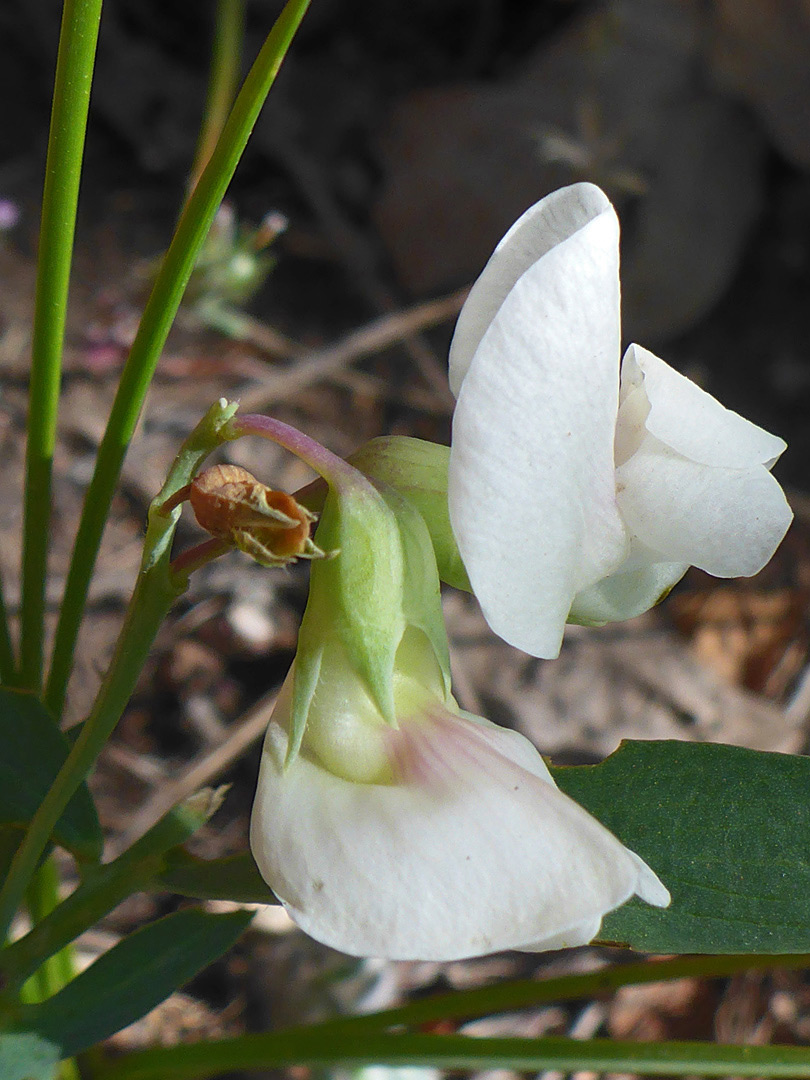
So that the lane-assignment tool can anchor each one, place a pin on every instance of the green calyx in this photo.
(418, 470)
(373, 620)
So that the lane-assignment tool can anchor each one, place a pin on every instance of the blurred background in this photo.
(401, 140)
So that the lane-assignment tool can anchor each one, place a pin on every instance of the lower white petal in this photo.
(728, 522)
(467, 853)
(626, 594)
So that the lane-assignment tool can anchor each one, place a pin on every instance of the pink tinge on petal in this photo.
(443, 747)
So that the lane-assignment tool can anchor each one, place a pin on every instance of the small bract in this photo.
(576, 493)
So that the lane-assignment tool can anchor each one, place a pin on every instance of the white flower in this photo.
(442, 838)
(572, 495)
(388, 822)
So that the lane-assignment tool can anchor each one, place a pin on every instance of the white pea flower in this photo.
(576, 493)
(387, 821)
(441, 838)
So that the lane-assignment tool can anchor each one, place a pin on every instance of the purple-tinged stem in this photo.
(199, 555)
(332, 468)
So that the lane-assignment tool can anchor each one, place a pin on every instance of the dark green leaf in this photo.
(32, 751)
(235, 877)
(26, 1056)
(133, 977)
(726, 829)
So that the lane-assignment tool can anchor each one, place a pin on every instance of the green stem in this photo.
(151, 600)
(156, 321)
(57, 970)
(156, 589)
(103, 890)
(308, 1047)
(527, 993)
(71, 98)
(8, 666)
(226, 55)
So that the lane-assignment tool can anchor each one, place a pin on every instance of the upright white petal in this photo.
(531, 486)
(687, 419)
(727, 522)
(543, 226)
(468, 852)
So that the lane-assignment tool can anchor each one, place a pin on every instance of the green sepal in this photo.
(418, 470)
(382, 582)
(356, 597)
(421, 592)
(307, 671)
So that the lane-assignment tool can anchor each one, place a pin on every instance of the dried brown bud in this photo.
(268, 525)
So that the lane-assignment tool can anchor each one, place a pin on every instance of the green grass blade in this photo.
(156, 321)
(71, 98)
(226, 56)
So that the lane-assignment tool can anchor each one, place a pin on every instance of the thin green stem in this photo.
(57, 970)
(528, 993)
(308, 1047)
(156, 321)
(103, 890)
(8, 665)
(151, 600)
(226, 57)
(156, 589)
(71, 98)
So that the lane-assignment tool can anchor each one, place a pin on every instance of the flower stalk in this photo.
(155, 591)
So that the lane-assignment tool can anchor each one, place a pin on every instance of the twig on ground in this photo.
(373, 337)
(201, 771)
(356, 252)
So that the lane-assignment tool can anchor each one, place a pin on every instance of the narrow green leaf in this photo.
(70, 103)
(516, 994)
(134, 977)
(10, 837)
(26, 1056)
(236, 877)
(726, 829)
(32, 751)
